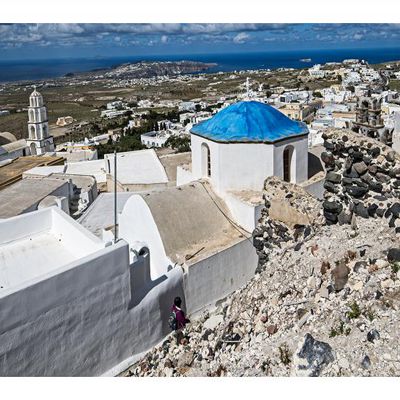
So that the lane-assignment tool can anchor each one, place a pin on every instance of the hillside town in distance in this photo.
(266, 200)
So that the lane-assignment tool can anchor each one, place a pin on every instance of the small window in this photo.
(287, 163)
(208, 163)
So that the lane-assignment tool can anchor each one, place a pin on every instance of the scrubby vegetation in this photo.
(179, 143)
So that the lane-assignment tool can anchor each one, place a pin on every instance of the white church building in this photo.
(245, 143)
(238, 148)
(39, 141)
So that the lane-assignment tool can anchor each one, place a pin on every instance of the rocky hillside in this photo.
(324, 302)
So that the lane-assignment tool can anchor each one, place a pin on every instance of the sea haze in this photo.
(42, 69)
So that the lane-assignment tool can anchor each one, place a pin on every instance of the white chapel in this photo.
(245, 143)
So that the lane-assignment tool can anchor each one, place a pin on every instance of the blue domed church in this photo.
(243, 144)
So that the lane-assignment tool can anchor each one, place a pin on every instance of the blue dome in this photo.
(251, 122)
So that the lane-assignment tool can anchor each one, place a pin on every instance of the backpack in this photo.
(172, 322)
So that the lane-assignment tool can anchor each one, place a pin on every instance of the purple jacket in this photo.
(180, 317)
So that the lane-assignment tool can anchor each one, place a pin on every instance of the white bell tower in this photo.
(39, 140)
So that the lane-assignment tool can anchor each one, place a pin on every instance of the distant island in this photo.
(148, 69)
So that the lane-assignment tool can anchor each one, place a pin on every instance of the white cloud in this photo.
(241, 37)
(156, 34)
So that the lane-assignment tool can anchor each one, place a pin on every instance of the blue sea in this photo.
(42, 69)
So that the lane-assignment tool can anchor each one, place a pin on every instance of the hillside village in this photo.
(270, 202)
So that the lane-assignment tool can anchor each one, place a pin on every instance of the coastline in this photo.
(18, 72)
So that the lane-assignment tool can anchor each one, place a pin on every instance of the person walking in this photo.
(178, 320)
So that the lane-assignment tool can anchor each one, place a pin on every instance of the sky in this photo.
(45, 41)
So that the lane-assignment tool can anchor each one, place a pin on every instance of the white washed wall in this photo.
(86, 320)
(219, 275)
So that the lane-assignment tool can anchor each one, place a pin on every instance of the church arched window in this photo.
(205, 160)
(33, 149)
(287, 163)
(32, 132)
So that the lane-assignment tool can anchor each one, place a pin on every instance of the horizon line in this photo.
(196, 54)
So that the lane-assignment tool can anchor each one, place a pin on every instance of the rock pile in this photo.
(331, 308)
(289, 218)
(363, 179)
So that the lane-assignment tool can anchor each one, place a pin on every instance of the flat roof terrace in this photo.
(37, 244)
(21, 196)
(139, 167)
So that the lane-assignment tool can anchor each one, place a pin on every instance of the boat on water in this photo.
(305, 60)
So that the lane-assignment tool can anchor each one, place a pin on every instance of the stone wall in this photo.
(363, 179)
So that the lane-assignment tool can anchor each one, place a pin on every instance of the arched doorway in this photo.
(205, 160)
(288, 172)
(33, 149)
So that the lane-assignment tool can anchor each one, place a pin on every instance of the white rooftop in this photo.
(46, 170)
(137, 167)
(93, 167)
(38, 244)
(100, 214)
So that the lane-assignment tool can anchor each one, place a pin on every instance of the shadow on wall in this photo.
(314, 165)
(165, 302)
(141, 284)
(140, 278)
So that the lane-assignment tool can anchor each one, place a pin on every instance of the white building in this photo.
(316, 71)
(145, 103)
(352, 78)
(154, 138)
(331, 95)
(26, 195)
(72, 304)
(239, 148)
(112, 113)
(245, 143)
(13, 150)
(194, 117)
(297, 96)
(115, 105)
(134, 123)
(39, 141)
(64, 121)
(136, 171)
(187, 106)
